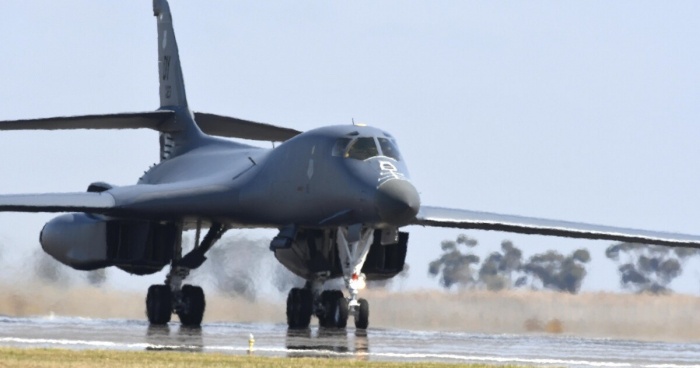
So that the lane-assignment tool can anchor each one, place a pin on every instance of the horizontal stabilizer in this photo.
(225, 126)
(151, 120)
(57, 202)
(463, 219)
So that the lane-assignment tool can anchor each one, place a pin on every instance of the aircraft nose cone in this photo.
(397, 202)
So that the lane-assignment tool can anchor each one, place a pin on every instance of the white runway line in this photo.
(319, 352)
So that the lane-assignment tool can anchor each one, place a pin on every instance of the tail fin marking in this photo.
(172, 84)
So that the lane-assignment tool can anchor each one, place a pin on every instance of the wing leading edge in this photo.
(464, 219)
(161, 121)
(101, 203)
(151, 120)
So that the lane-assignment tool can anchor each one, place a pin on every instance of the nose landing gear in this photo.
(353, 246)
(331, 306)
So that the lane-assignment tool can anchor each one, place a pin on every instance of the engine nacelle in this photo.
(88, 242)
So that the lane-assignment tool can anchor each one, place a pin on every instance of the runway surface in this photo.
(374, 344)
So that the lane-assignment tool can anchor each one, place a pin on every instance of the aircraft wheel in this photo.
(341, 312)
(362, 318)
(299, 308)
(193, 304)
(159, 304)
(336, 309)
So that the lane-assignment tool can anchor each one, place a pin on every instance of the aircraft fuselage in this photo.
(310, 180)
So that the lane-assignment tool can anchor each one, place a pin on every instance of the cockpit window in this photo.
(389, 148)
(340, 145)
(362, 149)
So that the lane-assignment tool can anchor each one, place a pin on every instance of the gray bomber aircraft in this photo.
(339, 196)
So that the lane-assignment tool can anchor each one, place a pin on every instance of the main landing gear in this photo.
(331, 307)
(187, 301)
(190, 306)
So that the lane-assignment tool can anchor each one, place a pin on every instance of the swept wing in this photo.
(162, 121)
(465, 219)
(151, 120)
(58, 202)
(170, 201)
(225, 126)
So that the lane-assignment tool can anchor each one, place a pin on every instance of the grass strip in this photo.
(39, 358)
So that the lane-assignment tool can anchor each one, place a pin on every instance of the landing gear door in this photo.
(385, 261)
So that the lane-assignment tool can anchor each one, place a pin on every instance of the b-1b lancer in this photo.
(338, 195)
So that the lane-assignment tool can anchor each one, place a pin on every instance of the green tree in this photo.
(455, 267)
(648, 268)
(505, 269)
(496, 272)
(559, 272)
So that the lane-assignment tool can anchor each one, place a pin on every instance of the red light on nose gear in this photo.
(354, 276)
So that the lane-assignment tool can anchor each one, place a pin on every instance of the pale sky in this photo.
(582, 111)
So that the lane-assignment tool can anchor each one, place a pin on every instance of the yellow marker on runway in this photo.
(251, 342)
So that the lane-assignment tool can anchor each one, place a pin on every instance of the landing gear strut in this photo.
(187, 301)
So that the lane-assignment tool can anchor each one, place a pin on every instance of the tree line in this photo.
(241, 266)
(642, 267)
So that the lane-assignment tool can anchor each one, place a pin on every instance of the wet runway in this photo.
(374, 344)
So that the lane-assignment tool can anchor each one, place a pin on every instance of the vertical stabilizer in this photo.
(181, 134)
(172, 85)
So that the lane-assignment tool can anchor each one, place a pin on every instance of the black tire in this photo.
(336, 309)
(307, 303)
(159, 304)
(328, 302)
(341, 318)
(299, 308)
(362, 318)
(191, 312)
